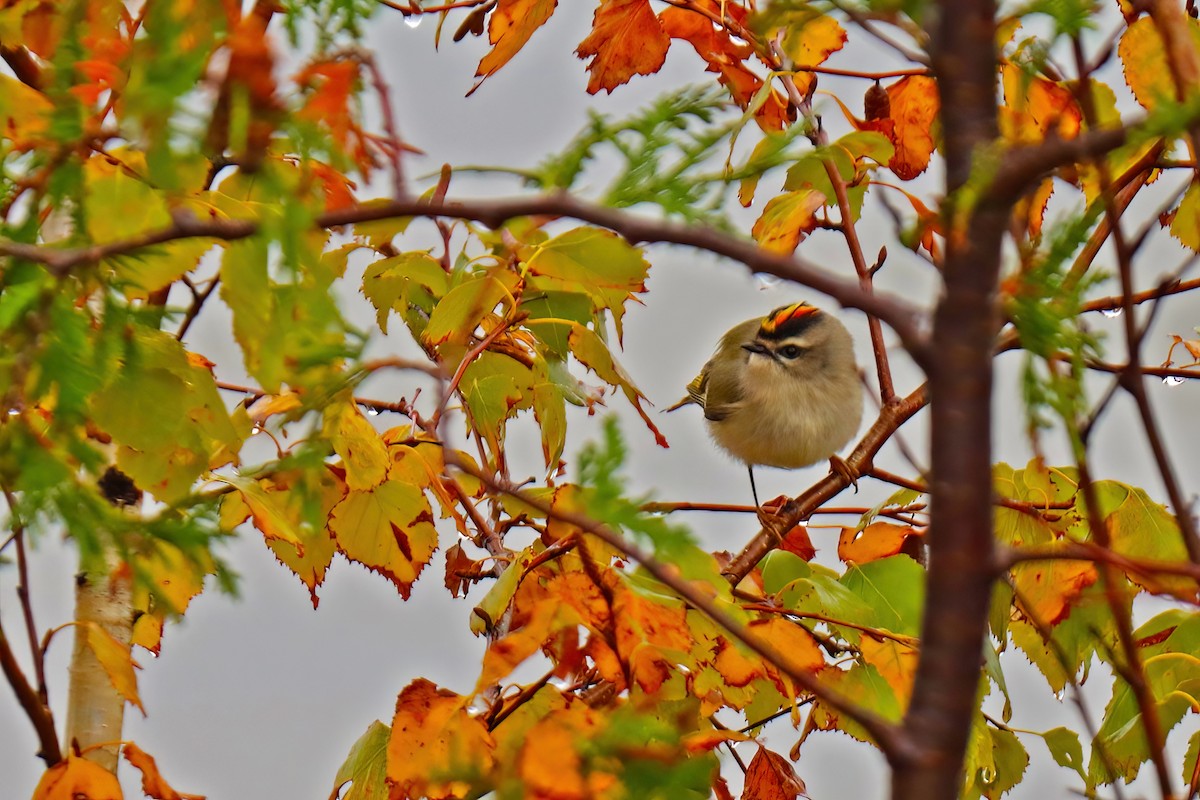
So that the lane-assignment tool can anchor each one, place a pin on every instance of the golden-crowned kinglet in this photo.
(782, 390)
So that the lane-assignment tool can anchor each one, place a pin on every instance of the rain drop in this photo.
(1172, 380)
(372, 411)
(412, 20)
(1112, 313)
(1060, 694)
(766, 281)
(987, 775)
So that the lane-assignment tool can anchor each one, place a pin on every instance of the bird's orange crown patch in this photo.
(788, 319)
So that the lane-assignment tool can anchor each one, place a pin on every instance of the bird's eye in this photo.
(790, 351)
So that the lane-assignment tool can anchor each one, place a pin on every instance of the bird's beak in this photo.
(758, 349)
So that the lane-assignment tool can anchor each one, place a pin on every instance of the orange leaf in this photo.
(726, 58)
(737, 669)
(797, 541)
(153, 784)
(510, 26)
(1050, 588)
(896, 662)
(770, 776)
(914, 105)
(793, 643)
(1035, 106)
(434, 735)
(878, 540)
(786, 219)
(626, 40)
(76, 777)
(550, 763)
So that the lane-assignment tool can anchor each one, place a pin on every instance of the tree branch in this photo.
(906, 320)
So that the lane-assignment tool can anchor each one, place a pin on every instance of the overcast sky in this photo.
(261, 696)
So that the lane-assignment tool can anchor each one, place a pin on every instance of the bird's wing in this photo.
(722, 390)
(695, 391)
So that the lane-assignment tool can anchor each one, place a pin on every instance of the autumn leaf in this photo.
(626, 40)
(388, 529)
(727, 58)
(365, 767)
(895, 661)
(437, 747)
(914, 110)
(1144, 57)
(364, 456)
(770, 776)
(1048, 589)
(809, 43)
(509, 28)
(153, 783)
(786, 220)
(75, 777)
(877, 540)
(116, 659)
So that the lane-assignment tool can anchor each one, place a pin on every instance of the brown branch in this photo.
(905, 319)
(1132, 670)
(1170, 287)
(890, 418)
(885, 733)
(38, 713)
(1008, 557)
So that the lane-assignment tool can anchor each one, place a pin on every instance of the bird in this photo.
(782, 391)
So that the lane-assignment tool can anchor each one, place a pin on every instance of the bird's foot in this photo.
(840, 468)
(772, 523)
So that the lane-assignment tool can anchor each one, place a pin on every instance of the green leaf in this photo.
(549, 409)
(365, 767)
(117, 204)
(591, 257)
(165, 415)
(1065, 749)
(407, 281)
(456, 316)
(894, 589)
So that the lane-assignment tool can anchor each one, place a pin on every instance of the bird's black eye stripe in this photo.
(790, 351)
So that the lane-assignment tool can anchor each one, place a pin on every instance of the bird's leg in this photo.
(768, 521)
(839, 467)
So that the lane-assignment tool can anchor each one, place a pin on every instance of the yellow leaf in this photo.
(626, 40)
(388, 529)
(116, 659)
(809, 44)
(364, 455)
(23, 112)
(1147, 72)
(75, 777)
(786, 220)
(436, 746)
(1185, 223)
